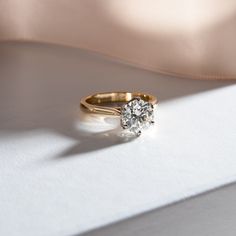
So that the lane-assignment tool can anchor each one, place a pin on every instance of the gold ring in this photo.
(136, 110)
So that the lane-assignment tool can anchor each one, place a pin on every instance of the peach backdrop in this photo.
(190, 38)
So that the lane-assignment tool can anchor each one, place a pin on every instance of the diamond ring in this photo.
(136, 110)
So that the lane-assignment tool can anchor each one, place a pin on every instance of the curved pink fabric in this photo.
(190, 38)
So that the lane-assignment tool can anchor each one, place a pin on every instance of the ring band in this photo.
(135, 109)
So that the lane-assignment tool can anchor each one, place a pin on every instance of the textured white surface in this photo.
(63, 172)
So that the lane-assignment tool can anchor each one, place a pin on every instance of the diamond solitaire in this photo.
(137, 115)
(136, 110)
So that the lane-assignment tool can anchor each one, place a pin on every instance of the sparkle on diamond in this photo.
(136, 115)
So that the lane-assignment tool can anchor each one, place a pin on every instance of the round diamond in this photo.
(136, 115)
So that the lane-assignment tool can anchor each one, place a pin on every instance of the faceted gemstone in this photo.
(137, 115)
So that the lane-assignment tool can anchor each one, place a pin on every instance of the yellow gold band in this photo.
(101, 102)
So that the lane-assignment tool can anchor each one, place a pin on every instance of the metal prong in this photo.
(138, 133)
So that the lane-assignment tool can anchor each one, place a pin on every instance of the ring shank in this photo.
(98, 103)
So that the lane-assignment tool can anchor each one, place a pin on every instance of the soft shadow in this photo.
(90, 139)
(89, 142)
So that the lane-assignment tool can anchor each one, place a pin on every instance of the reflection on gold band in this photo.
(110, 103)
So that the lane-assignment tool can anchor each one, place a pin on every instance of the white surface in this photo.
(63, 172)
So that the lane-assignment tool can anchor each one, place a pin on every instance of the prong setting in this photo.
(136, 115)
